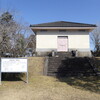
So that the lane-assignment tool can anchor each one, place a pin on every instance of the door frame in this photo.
(67, 44)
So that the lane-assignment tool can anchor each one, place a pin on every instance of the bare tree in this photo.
(31, 43)
(95, 37)
(13, 39)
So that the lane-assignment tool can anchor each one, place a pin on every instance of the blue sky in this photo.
(40, 11)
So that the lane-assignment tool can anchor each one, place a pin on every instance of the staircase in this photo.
(63, 54)
(65, 65)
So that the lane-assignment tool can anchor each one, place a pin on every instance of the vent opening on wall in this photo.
(43, 30)
(82, 30)
(62, 30)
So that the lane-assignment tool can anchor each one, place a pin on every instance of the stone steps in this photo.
(67, 66)
(64, 54)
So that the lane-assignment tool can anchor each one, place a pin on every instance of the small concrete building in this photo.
(63, 36)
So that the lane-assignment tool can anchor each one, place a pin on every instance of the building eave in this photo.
(62, 28)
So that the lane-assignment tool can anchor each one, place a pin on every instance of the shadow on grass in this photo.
(75, 67)
(12, 76)
(78, 73)
(90, 83)
(97, 63)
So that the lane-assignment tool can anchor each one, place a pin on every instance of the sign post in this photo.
(0, 71)
(27, 77)
(14, 65)
(0, 76)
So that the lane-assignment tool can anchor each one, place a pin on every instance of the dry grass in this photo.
(49, 88)
(35, 66)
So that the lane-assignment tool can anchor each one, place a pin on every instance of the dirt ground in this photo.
(49, 88)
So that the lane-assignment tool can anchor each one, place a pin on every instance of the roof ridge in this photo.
(64, 23)
(49, 22)
(75, 22)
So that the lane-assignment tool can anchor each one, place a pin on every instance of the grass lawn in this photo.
(50, 88)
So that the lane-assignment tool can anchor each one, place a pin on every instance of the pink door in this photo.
(62, 43)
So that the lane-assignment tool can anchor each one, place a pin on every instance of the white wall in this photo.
(76, 40)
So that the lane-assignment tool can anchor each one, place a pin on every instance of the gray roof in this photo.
(63, 24)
